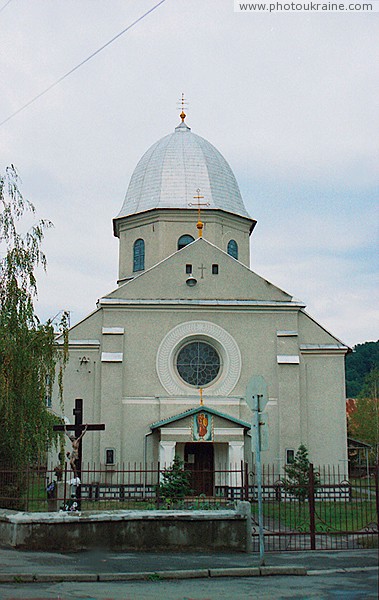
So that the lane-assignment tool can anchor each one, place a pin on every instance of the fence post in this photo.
(246, 481)
(65, 484)
(158, 490)
(25, 504)
(376, 478)
(311, 505)
(242, 489)
(244, 509)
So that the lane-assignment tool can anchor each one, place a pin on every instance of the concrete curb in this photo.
(235, 572)
(282, 571)
(155, 575)
(47, 577)
(152, 575)
(341, 570)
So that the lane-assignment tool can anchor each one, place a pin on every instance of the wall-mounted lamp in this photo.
(191, 281)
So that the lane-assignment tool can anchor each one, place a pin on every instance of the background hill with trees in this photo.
(362, 384)
(359, 364)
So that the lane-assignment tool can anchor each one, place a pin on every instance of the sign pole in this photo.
(256, 399)
(256, 414)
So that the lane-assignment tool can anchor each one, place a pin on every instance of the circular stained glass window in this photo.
(198, 363)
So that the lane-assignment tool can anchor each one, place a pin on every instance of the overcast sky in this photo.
(289, 99)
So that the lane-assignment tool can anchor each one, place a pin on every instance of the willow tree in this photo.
(28, 355)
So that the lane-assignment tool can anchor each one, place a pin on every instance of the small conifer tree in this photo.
(297, 481)
(175, 483)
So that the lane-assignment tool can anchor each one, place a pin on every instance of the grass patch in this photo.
(154, 577)
(333, 516)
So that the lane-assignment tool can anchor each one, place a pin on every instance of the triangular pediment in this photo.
(194, 411)
(167, 279)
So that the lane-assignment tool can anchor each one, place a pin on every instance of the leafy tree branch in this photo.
(28, 354)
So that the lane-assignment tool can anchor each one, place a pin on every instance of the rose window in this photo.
(198, 363)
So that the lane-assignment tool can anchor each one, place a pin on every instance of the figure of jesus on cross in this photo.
(73, 456)
(75, 436)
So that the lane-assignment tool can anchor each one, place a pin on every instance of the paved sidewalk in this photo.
(17, 565)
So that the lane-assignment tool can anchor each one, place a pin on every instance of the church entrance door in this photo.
(199, 460)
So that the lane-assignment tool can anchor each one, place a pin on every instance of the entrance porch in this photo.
(212, 445)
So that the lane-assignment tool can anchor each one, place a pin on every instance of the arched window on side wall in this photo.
(233, 249)
(184, 240)
(138, 255)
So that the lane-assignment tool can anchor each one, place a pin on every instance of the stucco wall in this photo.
(128, 393)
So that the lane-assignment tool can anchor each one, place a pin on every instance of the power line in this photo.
(81, 63)
(5, 5)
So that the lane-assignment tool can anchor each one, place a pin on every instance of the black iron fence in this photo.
(323, 510)
(124, 486)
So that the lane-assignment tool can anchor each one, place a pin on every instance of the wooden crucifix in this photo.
(79, 430)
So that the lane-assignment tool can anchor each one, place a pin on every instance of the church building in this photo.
(165, 359)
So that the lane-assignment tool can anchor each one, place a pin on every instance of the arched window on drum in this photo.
(138, 255)
(233, 249)
(184, 240)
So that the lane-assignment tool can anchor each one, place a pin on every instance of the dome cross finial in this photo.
(199, 204)
(183, 104)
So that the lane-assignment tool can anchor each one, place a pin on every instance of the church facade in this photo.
(165, 358)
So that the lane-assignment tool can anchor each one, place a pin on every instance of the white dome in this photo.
(170, 172)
